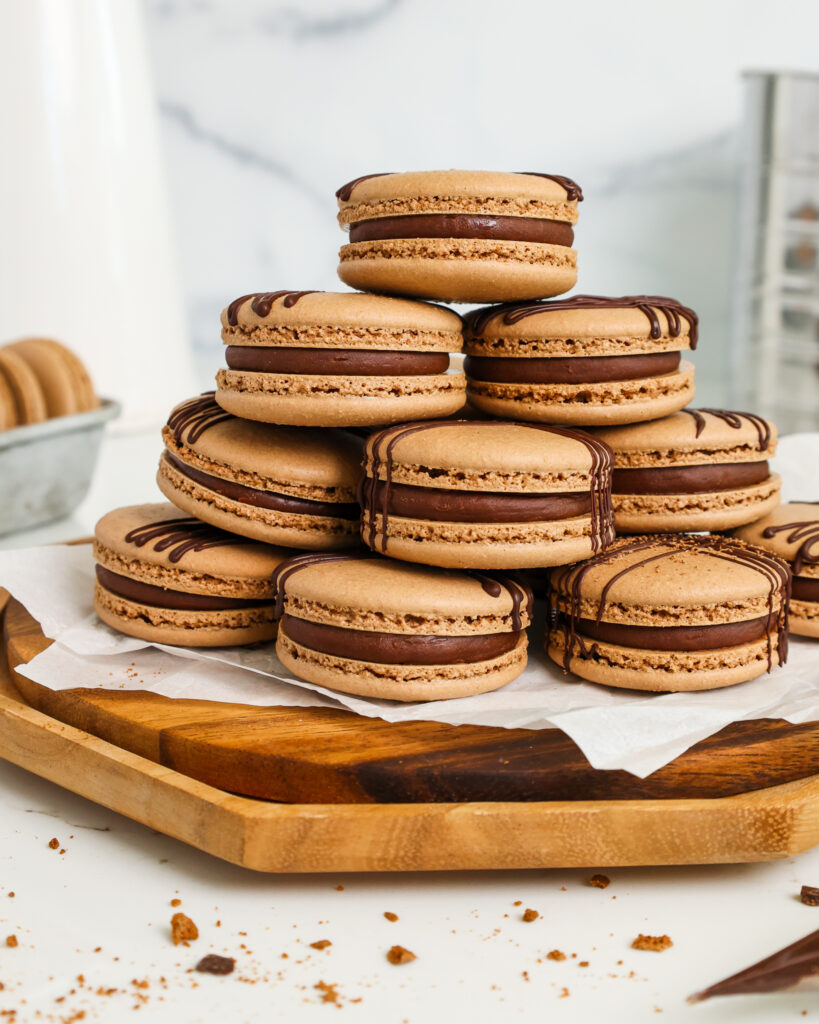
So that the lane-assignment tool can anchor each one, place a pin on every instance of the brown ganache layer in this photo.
(335, 362)
(719, 476)
(463, 225)
(375, 494)
(773, 570)
(571, 370)
(677, 638)
(264, 499)
(453, 506)
(673, 311)
(397, 648)
(805, 588)
(176, 600)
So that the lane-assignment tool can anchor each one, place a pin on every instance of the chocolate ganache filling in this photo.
(397, 648)
(335, 362)
(475, 506)
(689, 479)
(570, 370)
(676, 638)
(463, 225)
(264, 499)
(176, 600)
(805, 588)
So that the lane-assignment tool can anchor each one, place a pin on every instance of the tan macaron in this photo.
(22, 397)
(331, 359)
(791, 531)
(486, 494)
(698, 469)
(62, 375)
(460, 236)
(171, 579)
(294, 486)
(588, 360)
(379, 628)
(668, 613)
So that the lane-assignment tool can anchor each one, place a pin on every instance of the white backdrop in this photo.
(267, 107)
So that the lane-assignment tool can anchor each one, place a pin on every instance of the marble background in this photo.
(267, 107)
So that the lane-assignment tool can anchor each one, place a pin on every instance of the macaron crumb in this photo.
(529, 915)
(183, 929)
(390, 916)
(652, 943)
(600, 881)
(556, 954)
(320, 944)
(809, 895)
(398, 955)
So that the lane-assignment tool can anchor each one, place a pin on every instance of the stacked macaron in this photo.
(41, 379)
(401, 485)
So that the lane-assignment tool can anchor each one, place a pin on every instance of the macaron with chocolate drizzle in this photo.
(330, 359)
(294, 486)
(588, 360)
(698, 469)
(170, 579)
(375, 627)
(791, 531)
(460, 236)
(486, 494)
(671, 613)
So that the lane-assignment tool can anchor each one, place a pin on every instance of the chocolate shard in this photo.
(794, 967)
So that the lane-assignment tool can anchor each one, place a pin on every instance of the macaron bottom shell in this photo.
(400, 682)
(804, 618)
(313, 400)
(459, 269)
(313, 533)
(481, 545)
(599, 404)
(232, 627)
(717, 510)
(665, 671)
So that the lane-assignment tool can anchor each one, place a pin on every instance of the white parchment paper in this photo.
(633, 731)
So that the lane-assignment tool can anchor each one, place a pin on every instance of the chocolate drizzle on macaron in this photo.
(262, 302)
(196, 416)
(181, 536)
(733, 420)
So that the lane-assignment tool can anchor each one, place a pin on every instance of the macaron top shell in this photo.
(304, 461)
(159, 535)
(28, 404)
(62, 375)
(604, 325)
(692, 436)
(493, 192)
(338, 310)
(790, 531)
(372, 593)
(674, 579)
(487, 455)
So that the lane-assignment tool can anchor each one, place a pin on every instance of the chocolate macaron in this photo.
(486, 494)
(698, 469)
(173, 580)
(330, 359)
(586, 360)
(294, 486)
(379, 628)
(791, 531)
(674, 612)
(461, 236)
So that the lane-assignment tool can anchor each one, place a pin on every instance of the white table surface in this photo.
(112, 887)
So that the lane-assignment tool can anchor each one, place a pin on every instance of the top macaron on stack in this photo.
(397, 480)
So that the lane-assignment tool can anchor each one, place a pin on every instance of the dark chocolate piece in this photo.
(182, 536)
(783, 970)
(463, 225)
(176, 600)
(264, 499)
(451, 506)
(809, 895)
(397, 648)
(514, 312)
(770, 567)
(675, 638)
(717, 476)
(196, 416)
(334, 362)
(570, 369)
(215, 964)
(262, 302)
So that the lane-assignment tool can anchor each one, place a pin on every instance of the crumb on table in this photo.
(183, 929)
(399, 955)
(652, 943)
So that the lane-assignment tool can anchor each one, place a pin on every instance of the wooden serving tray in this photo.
(363, 795)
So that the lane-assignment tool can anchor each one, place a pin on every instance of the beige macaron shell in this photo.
(349, 310)
(673, 441)
(485, 455)
(322, 465)
(62, 375)
(401, 682)
(793, 512)
(8, 407)
(388, 596)
(226, 569)
(27, 395)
